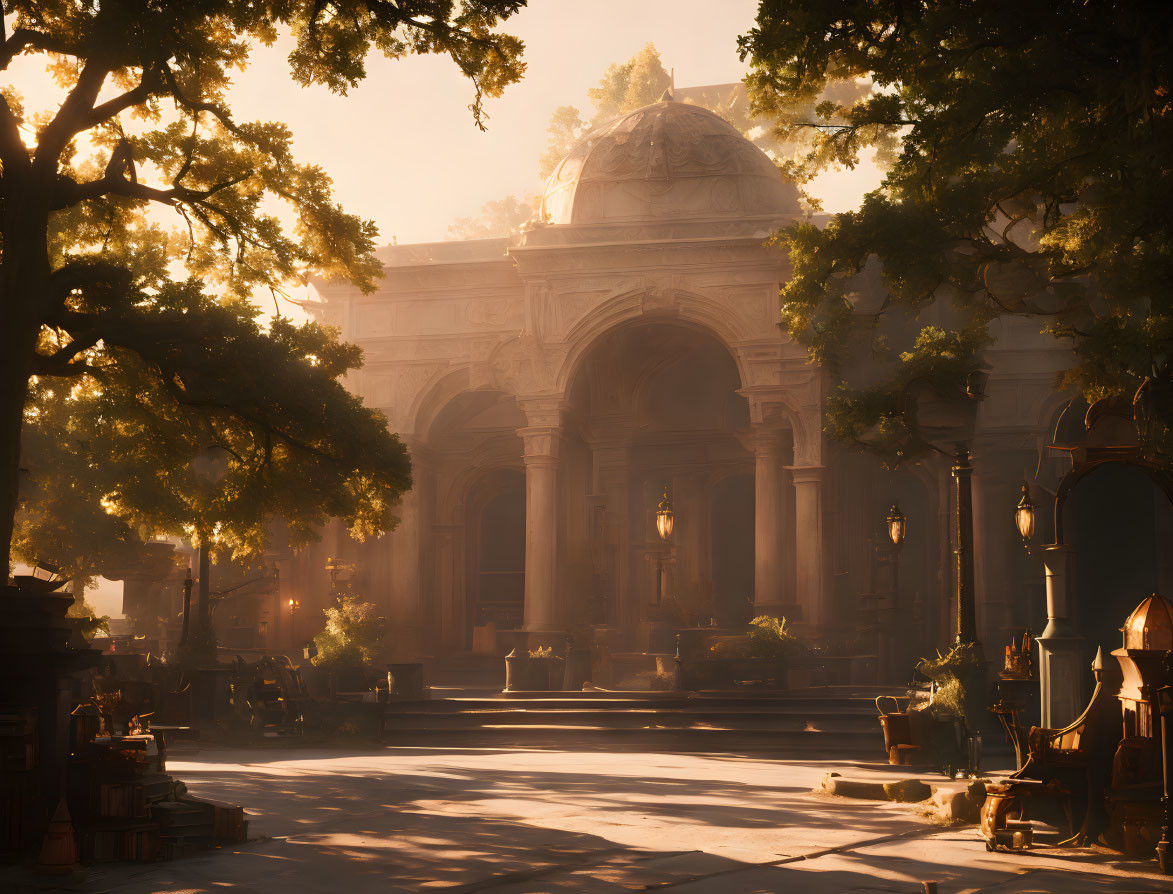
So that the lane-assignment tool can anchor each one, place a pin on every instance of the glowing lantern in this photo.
(664, 518)
(1024, 514)
(897, 526)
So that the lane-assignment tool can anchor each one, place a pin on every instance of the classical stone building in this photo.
(552, 386)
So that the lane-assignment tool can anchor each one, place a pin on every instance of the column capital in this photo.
(541, 443)
(767, 441)
(543, 410)
(806, 474)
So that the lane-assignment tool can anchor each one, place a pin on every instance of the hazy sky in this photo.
(403, 149)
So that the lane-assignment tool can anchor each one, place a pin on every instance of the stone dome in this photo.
(1150, 626)
(667, 161)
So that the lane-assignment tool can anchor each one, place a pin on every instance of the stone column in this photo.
(769, 589)
(808, 533)
(542, 611)
(406, 562)
(611, 460)
(1061, 670)
(450, 615)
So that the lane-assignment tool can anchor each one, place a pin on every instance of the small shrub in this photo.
(771, 638)
(354, 636)
(952, 673)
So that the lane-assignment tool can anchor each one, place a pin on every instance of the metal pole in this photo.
(205, 586)
(966, 615)
(1164, 701)
(186, 607)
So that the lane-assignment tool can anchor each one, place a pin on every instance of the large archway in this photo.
(477, 535)
(654, 406)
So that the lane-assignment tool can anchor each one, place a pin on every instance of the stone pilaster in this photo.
(542, 440)
(810, 568)
(769, 533)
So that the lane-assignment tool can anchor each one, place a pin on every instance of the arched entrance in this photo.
(655, 406)
(733, 549)
(496, 550)
(473, 466)
(1119, 526)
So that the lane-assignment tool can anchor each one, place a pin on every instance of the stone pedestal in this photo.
(1061, 670)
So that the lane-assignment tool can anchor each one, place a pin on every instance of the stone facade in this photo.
(551, 386)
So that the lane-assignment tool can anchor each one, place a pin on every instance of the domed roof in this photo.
(669, 160)
(1150, 626)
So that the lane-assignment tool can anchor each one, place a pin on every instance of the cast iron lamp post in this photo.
(210, 465)
(665, 521)
(294, 605)
(943, 417)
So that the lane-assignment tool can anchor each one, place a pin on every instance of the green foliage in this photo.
(630, 85)
(1030, 171)
(501, 217)
(354, 636)
(953, 673)
(89, 622)
(121, 448)
(877, 418)
(98, 289)
(566, 128)
(771, 638)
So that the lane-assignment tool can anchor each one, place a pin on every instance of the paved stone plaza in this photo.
(554, 821)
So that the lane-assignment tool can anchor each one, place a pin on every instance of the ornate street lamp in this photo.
(665, 521)
(897, 526)
(1024, 515)
(664, 517)
(294, 605)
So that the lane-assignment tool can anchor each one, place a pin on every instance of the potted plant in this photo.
(763, 654)
(538, 670)
(353, 641)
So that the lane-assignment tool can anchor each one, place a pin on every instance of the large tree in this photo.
(1032, 178)
(166, 365)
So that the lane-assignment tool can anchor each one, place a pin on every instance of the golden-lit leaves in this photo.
(1030, 173)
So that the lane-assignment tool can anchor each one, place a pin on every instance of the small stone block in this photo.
(855, 788)
(907, 791)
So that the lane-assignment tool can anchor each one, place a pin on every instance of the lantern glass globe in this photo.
(665, 518)
(897, 526)
(1024, 514)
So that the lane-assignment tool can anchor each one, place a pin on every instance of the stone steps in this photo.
(634, 719)
(780, 743)
(829, 721)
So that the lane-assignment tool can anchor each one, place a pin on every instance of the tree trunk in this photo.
(24, 287)
(17, 343)
(205, 606)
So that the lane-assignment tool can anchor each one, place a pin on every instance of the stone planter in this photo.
(524, 673)
(578, 670)
(405, 681)
(726, 673)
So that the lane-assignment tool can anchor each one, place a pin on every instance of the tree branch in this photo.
(24, 38)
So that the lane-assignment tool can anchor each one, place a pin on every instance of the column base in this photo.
(1061, 679)
(791, 611)
(543, 639)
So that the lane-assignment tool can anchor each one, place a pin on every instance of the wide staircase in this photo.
(827, 721)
